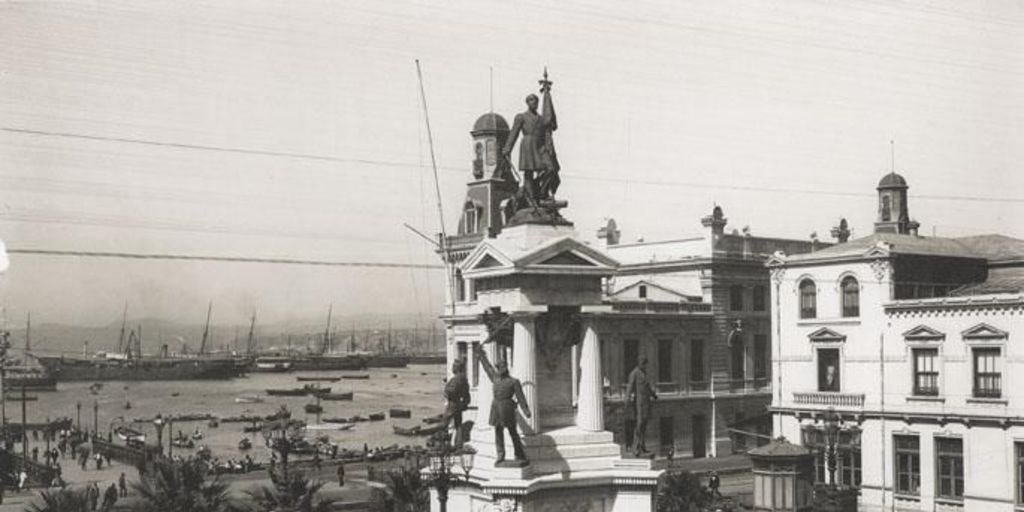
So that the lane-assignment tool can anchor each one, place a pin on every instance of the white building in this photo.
(912, 341)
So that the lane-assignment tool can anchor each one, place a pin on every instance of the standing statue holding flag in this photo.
(537, 159)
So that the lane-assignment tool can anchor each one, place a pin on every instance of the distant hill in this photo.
(370, 334)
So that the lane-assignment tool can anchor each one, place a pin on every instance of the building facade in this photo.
(697, 307)
(908, 341)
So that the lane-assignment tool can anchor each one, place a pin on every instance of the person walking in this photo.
(714, 483)
(341, 474)
(22, 480)
(122, 485)
(93, 492)
(109, 497)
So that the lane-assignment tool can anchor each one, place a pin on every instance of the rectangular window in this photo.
(908, 464)
(760, 298)
(665, 361)
(1019, 449)
(642, 291)
(828, 369)
(987, 374)
(697, 360)
(926, 371)
(630, 354)
(761, 357)
(666, 433)
(949, 468)
(736, 298)
(849, 467)
(738, 359)
(476, 365)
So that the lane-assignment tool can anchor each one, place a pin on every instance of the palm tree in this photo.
(172, 486)
(681, 492)
(291, 493)
(61, 500)
(406, 490)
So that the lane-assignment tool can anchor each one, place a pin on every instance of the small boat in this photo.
(245, 444)
(313, 408)
(315, 379)
(288, 392)
(417, 430)
(273, 364)
(18, 398)
(126, 434)
(336, 427)
(183, 443)
(248, 399)
(213, 423)
(255, 427)
(197, 435)
(377, 416)
(430, 420)
(336, 396)
(400, 413)
(363, 376)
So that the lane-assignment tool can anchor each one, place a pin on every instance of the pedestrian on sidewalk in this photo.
(341, 474)
(99, 461)
(22, 480)
(714, 482)
(94, 495)
(109, 497)
(122, 485)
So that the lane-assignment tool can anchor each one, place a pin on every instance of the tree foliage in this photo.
(175, 486)
(407, 491)
(294, 493)
(681, 492)
(61, 500)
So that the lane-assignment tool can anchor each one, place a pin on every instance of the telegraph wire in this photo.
(226, 259)
(398, 164)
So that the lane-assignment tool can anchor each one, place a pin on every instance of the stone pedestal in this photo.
(549, 282)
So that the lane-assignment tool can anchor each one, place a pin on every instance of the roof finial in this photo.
(892, 150)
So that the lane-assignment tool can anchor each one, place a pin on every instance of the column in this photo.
(451, 350)
(524, 357)
(590, 411)
(485, 390)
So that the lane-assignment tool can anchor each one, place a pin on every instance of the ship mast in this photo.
(28, 334)
(250, 346)
(206, 330)
(327, 332)
(124, 324)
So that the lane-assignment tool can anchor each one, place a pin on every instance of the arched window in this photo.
(808, 299)
(851, 296)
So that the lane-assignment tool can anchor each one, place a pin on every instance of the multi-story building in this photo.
(908, 342)
(697, 307)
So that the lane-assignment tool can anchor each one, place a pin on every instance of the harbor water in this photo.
(417, 388)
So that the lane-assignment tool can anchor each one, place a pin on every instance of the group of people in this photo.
(110, 495)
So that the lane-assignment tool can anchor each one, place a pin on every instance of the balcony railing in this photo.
(829, 399)
(698, 388)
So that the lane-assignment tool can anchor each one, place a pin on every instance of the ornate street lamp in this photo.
(442, 464)
(159, 423)
(833, 426)
(280, 435)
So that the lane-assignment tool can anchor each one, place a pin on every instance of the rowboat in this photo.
(316, 378)
(356, 377)
(248, 399)
(400, 413)
(327, 426)
(336, 396)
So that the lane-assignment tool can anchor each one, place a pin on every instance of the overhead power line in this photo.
(227, 259)
(387, 163)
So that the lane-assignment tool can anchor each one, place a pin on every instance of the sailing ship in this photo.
(128, 363)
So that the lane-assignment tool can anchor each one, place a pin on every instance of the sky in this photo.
(296, 130)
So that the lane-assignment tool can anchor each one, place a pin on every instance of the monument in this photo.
(532, 291)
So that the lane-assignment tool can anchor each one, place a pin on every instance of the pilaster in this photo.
(590, 408)
(524, 365)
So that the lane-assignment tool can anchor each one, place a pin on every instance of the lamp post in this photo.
(279, 436)
(95, 417)
(78, 416)
(158, 422)
(442, 464)
(833, 425)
